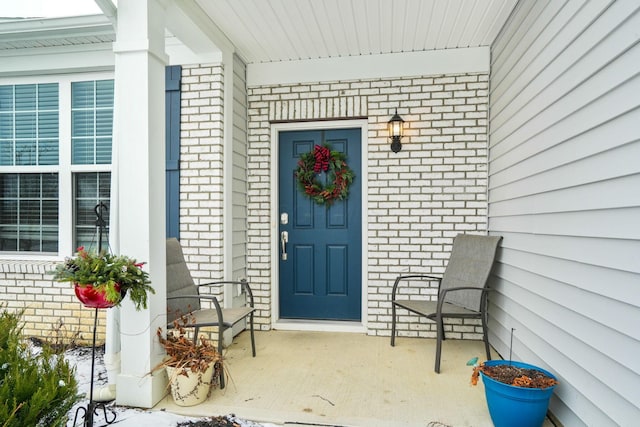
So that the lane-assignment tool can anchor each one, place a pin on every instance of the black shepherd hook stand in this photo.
(94, 407)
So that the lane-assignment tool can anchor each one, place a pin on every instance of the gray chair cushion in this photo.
(469, 265)
(179, 283)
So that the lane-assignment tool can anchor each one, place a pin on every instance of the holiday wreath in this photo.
(339, 175)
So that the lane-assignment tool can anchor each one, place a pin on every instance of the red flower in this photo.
(82, 253)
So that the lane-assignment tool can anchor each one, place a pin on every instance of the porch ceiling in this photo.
(288, 30)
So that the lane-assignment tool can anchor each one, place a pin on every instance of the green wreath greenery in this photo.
(323, 159)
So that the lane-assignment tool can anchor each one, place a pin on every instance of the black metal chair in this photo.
(183, 298)
(462, 290)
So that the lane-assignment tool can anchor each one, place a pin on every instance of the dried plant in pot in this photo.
(517, 393)
(193, 365)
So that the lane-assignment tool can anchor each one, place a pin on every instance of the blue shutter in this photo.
(172, 136)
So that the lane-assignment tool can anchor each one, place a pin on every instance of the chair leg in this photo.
(485, 338)
(393, 324)
(220, 333)
(440, 337)
(253, 340)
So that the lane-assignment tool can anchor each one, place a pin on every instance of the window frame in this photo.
(65, 169)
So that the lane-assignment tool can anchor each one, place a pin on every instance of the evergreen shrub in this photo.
(37, 388)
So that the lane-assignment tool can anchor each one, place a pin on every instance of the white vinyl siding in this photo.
(239, 189)
(564, 180)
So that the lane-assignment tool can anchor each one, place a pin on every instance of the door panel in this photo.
(321, 277)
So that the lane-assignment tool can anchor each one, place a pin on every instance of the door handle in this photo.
(284, 239)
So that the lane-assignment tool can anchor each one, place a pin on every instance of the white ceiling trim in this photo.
(181, 54)
(390, 65)
(57, 60)
(109, 11)
(189, 23)
(54, 28)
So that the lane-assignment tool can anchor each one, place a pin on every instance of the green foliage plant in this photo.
(36, 388)
(339, 175)
(113, 274)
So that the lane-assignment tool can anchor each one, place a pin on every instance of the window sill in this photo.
(29, 266)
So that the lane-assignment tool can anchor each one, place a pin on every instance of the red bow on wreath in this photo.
(321, 154)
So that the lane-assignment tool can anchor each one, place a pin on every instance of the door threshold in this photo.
(319, 325)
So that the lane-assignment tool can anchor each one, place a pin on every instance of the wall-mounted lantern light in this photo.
(396, 125)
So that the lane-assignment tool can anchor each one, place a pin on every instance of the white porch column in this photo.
(139, 132)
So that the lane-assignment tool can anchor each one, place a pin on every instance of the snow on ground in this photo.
(80, 357)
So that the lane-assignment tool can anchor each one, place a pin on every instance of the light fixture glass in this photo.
(396, 130)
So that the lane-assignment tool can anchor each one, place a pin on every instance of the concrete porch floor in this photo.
(346, 379)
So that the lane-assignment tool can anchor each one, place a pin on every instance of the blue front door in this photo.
(321, 277)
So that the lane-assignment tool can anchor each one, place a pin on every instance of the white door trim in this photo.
(298, 325)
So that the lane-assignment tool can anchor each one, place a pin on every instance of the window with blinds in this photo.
(91, 122)
(91, 189)
(29, 212)
(29, 120)
(91, 138)
(31, 167)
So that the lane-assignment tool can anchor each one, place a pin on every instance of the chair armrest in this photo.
(207, 297)
(424, 277)
(443, 293)
(216, 303)
(219, 282)
(243, 282)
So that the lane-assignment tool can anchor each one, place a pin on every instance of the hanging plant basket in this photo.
(101, 279)
(91, 297)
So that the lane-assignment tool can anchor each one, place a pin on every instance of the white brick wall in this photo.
(51, 309)
(418, 199)
(201, 174)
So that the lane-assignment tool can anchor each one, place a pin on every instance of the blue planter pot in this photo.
(511, 406)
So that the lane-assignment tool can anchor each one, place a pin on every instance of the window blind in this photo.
(90, 189)
(91, 122)
(29, 212)
(29, 124)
